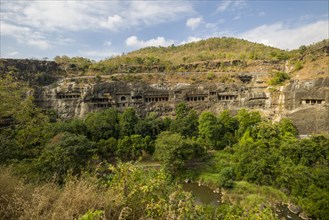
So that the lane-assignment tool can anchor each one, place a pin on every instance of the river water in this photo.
(204, 195)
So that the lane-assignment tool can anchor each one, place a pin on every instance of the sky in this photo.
(101, 29)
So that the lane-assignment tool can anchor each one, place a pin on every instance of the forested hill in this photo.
(214, 54)
(219, 51)
(211, 49)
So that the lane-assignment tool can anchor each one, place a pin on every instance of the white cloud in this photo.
(261, 14)
(231, 4)
(237, 17)
(9, 29)
(13, 53)
(113, 22)
(108, 43)
(91, 15)
(41, 44)
(239, 4)
(25, 35)
(64, 41)
(41, 24)
(193, 22)
(98, 54)
(156, 12)
(190, 40)
(133, 41)
(224, 5)
(52, 15)
(283, 37)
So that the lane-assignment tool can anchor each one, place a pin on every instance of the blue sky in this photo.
(101, 29)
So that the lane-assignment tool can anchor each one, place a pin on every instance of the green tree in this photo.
(247, 120)
(285, 125)
(181, 110)
(75, 126)
(26, 133)
(73, 64)
(186, 122)
(230, 125)
(130, 147)
(128, 121)
(302, 49)
(266, 132)
(107, 148)
(210, 130)
(226, 177)
(31, 130)
(256, 160)
(151, 125)
(173, 151)
(103, 125)
(12, 96)
(65, 152)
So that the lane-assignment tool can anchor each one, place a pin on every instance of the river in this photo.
(204, 195)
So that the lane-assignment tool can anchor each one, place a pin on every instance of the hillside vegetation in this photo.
(97, 167)
(173, 57)
(220, 52)
(211, 49)
(76, 167)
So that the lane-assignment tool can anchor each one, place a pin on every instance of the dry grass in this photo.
(49, 201)
(10, 186)
(314, 69)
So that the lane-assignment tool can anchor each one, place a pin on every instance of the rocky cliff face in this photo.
(305, 102)
(35, 72)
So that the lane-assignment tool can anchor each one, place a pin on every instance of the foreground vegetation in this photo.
(85, 167)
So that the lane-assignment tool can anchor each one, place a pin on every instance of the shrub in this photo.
(92, 215)
(211, 76)
(298, 65)
(278, 78)
(226, 177)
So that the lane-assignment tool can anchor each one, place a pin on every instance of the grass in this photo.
(148, 162)
(49, 201)
(249, 195)
(210, 179)
(208, 171)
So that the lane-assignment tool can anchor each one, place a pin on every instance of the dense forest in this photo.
(99, 167)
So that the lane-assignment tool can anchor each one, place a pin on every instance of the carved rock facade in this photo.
(306, 102)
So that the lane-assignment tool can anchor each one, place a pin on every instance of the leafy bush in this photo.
(64, 152)
(92, 215)
(298, 65)
(278, 78)
(226, 177)
(210, 76)
(173, 151)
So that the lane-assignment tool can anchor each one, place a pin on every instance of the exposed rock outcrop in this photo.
(305, 102)
(35, 72)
